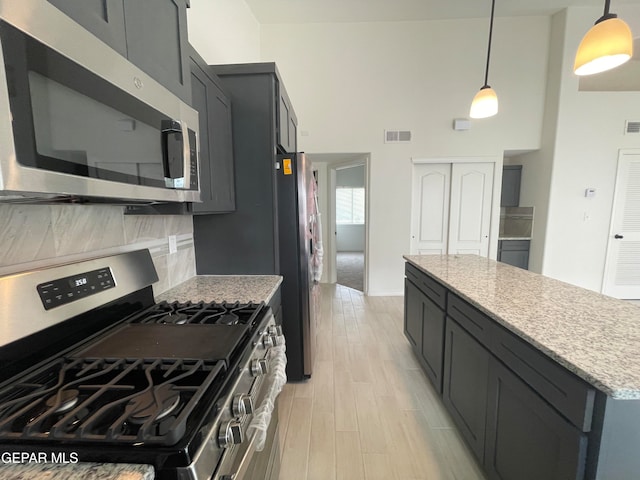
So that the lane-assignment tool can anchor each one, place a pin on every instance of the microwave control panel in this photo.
(69, 289)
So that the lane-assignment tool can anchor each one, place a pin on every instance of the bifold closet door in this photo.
(451, 208)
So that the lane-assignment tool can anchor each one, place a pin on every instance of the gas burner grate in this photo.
(125, 401)
(200, 313)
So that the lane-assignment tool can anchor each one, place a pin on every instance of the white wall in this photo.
(224, 31)
(584, 133)
(350, 82)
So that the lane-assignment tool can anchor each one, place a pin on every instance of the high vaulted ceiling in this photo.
(313, 11)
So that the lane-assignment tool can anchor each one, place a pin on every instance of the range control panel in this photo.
(69, 289)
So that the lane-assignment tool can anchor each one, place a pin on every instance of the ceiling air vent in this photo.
(397, 136)
(632, 127)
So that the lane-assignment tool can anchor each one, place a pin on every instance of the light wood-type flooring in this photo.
(368, 412)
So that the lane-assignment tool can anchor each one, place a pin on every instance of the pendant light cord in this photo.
(486, 71)
(607, 4)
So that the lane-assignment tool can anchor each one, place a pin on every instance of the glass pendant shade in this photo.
(607, 45)
(485, 103)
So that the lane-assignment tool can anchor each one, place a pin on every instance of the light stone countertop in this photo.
(220, 288)
(209, 288)
(78, 471)
(595, 336)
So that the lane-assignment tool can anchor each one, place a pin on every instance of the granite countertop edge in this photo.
(75, 471)
(617, 392)
(219, 288)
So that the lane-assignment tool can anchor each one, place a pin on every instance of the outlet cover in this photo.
(173, 244)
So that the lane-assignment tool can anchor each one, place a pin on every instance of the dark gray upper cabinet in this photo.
(511, 177)
(152, 34)
(103, 18)
(287, 122)
(157, 42)
(217, 184)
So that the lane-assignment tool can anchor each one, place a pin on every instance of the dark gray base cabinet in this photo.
(526, 438)
(424, 327)
(152, 34)
(514, 252)
(523, 415)
(466, 374)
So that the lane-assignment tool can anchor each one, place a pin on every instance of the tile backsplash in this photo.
(35, 236)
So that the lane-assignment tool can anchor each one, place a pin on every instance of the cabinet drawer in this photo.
(514, 244)
(570, 395)
(476, 323)
(432, 289)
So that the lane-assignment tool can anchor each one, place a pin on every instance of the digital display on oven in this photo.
(69, 289)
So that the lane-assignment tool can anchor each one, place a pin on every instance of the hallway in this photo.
(368, 412)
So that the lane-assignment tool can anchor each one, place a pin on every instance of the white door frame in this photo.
(365, 160)
(608, 264)
(498, 161)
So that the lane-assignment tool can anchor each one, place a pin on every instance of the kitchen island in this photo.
(207, 288)
(541, 377)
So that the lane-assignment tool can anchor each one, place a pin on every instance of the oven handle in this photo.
(276, 379)
(261, 420)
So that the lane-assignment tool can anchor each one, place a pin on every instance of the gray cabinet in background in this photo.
(511, 178)
(152, 34)
(514, 252)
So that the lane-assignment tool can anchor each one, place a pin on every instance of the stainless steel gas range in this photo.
(91, 368)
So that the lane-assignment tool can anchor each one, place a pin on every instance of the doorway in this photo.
(350, 226)
(344, 178)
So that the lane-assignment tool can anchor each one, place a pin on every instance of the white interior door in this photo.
(451, 208)
(622, 271)
(470, 217)
(430, 209)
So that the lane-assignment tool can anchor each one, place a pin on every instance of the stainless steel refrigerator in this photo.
(298, 244)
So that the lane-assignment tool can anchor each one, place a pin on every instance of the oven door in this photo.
(86, 122)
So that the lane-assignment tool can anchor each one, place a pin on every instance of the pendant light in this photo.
(485, 103)
(607, 45)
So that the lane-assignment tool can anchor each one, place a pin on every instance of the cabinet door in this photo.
(287, 124)
(103, 18)
(413, 314)
(517, 258)
(511, 176)
(216, 145)
(466, 370)
(526, 438)
(433, 320)
(156, 32)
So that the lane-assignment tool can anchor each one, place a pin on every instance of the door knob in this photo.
(618, 236)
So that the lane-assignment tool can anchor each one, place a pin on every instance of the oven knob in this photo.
(241, 405)
(277, 340)
(230, 433)
(275, 330)
(259, 367)
(267, 341)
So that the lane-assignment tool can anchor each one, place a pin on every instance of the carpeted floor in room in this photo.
(350, 269)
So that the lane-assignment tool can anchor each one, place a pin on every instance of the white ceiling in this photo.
(329, 11)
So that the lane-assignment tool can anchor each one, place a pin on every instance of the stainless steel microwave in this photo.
(78, 121)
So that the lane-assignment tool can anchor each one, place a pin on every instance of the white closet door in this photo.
(430, 209)
(622, 272)
(470, 218)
